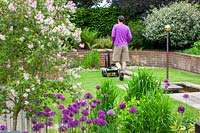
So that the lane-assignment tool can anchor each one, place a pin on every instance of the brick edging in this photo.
(181, 61)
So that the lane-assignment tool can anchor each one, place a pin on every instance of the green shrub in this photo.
(136, 28)
(99, 19)
(153, 114)
(103, 42)
(194, 50)
(88, 37)
(141, 82)
(184, 20)
(92, 60)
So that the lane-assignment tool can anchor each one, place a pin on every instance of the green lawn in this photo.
(90, 79)
(177, 75)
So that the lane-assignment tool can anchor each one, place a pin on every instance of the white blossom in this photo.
(82, 45)
(33, 88)
(49, 21)
(17, 83)
(38, 81)
(26, 76)
(11, 7)
(5, 1)
(2, 37)
(25, 95)
(79, 85)
(21, 39)
(39, 16)
(60, 79)
(26, 29)
(13, 92)
(11, 29)
(28, 90)
(30, 46)
(42, 46)
(26, 102)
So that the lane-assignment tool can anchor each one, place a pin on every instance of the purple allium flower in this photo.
(46, 114)
(111, 112)
(99, 101)
(65, 111)
(40, 125)
(3, 127)
(94, 101)
(185, 95)
(75, 108)
(89, 121)
(101, 112)
(49, 123)
(25, 132)
(71, 114)
(132, 110)
(62, 128)
(62, 98)
(166, 81)
(52, 113)
(99, 121)
(106, 95)
(83, 128)
(58, 102)
(96, 120)
(93, 105)
(82, 118)
(98, 87)
(85, 112)
(73, 124)
(33, 121)
(38, 114)
(122, 106)
(35, 128)
(59, 96)
(181, 109)
(83, 103)
(61, 107)
(102, 116)
(47, 109)
(66, 119)
(88, 96)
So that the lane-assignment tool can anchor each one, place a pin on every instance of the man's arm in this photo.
(129, 36)
(113, 35)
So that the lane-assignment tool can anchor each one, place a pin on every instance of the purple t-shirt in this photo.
(121, 35)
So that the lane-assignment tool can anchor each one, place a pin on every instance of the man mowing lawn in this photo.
(121, 36)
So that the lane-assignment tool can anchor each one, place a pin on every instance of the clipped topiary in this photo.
(183, 18)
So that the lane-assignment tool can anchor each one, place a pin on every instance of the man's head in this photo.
(121, 18)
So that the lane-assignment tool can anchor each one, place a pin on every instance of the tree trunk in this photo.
(15, 115)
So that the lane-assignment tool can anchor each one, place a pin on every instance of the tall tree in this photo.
(133, 7)
(86, 3)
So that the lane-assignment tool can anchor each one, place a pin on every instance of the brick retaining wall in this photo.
(186, 62)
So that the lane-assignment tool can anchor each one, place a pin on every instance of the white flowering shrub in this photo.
(183, 19)
(30, 30)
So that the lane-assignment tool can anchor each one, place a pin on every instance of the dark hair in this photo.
(121, 18)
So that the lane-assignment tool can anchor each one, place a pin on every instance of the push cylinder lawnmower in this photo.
(108, 70)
